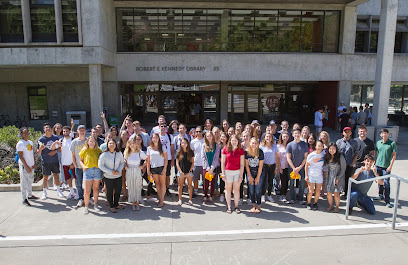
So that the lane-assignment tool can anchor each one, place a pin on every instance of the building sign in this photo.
(187, 68)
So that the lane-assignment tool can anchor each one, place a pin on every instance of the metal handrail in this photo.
(397, 190)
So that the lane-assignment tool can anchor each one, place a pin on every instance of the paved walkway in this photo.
(52, 232)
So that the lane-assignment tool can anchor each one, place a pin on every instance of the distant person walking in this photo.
(318, 122)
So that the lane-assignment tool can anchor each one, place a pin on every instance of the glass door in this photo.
(252, 107)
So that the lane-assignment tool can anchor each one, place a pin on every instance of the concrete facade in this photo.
(94, 67)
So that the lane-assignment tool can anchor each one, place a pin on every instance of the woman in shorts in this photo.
(314, 174)
(185, 165)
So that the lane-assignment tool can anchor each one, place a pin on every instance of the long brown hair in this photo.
(280, 141)
(159, 144)
(263, 143)
(207, 146)
(128, 150)
(181, 152)
(229, 145)
(249, 149)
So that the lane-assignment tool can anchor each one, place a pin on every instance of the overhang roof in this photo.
(325, 2)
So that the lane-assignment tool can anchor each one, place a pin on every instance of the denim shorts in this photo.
(93, 173)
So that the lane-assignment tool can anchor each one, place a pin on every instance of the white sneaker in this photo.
(70, 196)
(86, 210)
(270, 198)
(54, 187)
(96, 208)
(240, 202)
(179, 203)
(283, 199)
(65, 186)
(263, 199)
(91, 202)
(76, 196)
(80, 203)
(222, 198)
(60, 194)
(44, 196)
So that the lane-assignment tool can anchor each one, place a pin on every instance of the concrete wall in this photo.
(61, 97)
(373, 8)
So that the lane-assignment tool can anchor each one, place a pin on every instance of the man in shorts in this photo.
(49, 158)
(197, 145)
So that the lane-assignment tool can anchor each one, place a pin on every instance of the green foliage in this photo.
(9, 175)
(9, 135)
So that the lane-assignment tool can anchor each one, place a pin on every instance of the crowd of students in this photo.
(235, 164)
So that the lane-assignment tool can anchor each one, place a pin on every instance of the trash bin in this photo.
(79, 117)
(393, 130)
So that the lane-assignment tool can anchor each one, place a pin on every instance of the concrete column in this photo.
(385, 56)
(344, 93)
(79, 19)
(348, 36)
(95, 90)
(58, 21)
(25, 10)
(223, 102)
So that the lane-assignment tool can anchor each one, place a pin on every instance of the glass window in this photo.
(395, 103)
(37, 98)
(355, 97)
(367, 94)
(266, 31)
(374, 42)
(70, 20)
(312, 31)
(241, 30)
(289, 31)
(360, 41)
(11, 23)
(331, 31)
(217, 30)
(43, 20)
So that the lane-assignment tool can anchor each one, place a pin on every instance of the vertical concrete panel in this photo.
(95, 89)
(344, 93)
(58, 21)
(111, 97)
(224, 102)
(348, 35)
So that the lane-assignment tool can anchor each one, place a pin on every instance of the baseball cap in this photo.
(255, 122)
(272, 122)
(81, 127)
(346, 128)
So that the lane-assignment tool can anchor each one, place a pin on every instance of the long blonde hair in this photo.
(263, 143)
(128, 150)
(249, 149)
(86, 145)
(207, 146)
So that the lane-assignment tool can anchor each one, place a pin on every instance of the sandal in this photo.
(336, 210)
(120, 207)
(237, 210)
(211, 201)
(253, 210)
(258, 210)
(113, 210)
(229, 211)
(160, 205)
(328, 209)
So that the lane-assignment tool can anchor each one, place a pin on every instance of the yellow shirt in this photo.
(90, 157)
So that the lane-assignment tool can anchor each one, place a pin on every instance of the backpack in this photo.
(16, 157)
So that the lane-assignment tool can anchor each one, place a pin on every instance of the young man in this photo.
(361, 117)
(364, 146)
(66, 158)
(344, 121)
(50, 164)
(26, 163)
(197, 146)
(386, 155)
(168, 141)
(318, 121)
(94, 133)
(348, 147)
(76, 146)
(128, 123)
(359, 191)
(156, 129)
(138, 130)
(99, 128)
(296, 153)
(367, 112)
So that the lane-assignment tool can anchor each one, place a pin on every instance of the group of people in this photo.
(235, 163)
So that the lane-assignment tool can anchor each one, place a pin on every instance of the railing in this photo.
(397, 190)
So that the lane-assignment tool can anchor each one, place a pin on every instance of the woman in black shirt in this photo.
(185, 164)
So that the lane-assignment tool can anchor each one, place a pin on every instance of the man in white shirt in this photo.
(156, 129)
(138, 130)
(26, 163)
(168, 141)
(197, 145)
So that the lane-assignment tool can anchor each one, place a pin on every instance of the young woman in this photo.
(173, 128)
(57, 131)
(283, 165)
(133, 157)
(232, 168)
(254, 161)
(296, 126)
(248, 129)
(111, 163)
(122, 146)
(115, 133)
(208, 125)
(139, 142)
(231, 131)
(223, 143)
(271, 154)
(216, 132)
(156, 166)
(238, 129)
(257, 131)
(225, 126)
(246, 137)
(325, 138)
(314, 174)
(89, 156)
(334, 169)
(185, 165)
(210, 155)
(305, 133)
(311, 142)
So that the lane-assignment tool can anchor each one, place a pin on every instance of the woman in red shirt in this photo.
(232, 168)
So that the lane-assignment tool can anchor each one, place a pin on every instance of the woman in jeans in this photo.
(185, 165)
(232, 167)
(223, 143)
(89, 157)
(133, 158)
(271, 154)
(210, 156)
(254, 161)
(245, 137)
(111, 163)
(156, 166)
(283, 165)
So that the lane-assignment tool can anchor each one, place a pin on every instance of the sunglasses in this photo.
(199, 131)
(162, 126)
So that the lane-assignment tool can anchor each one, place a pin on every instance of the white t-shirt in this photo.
(135, 158)
(167, 140)
(66, 154)
(318, 119)
(27, 148)
(315, 164)
(197, 146)
(177, 141)
(156, 160)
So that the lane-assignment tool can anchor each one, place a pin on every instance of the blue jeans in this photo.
(363, 200)
(292, 183)
(384, 189)
(255, 190)
(79, 178)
